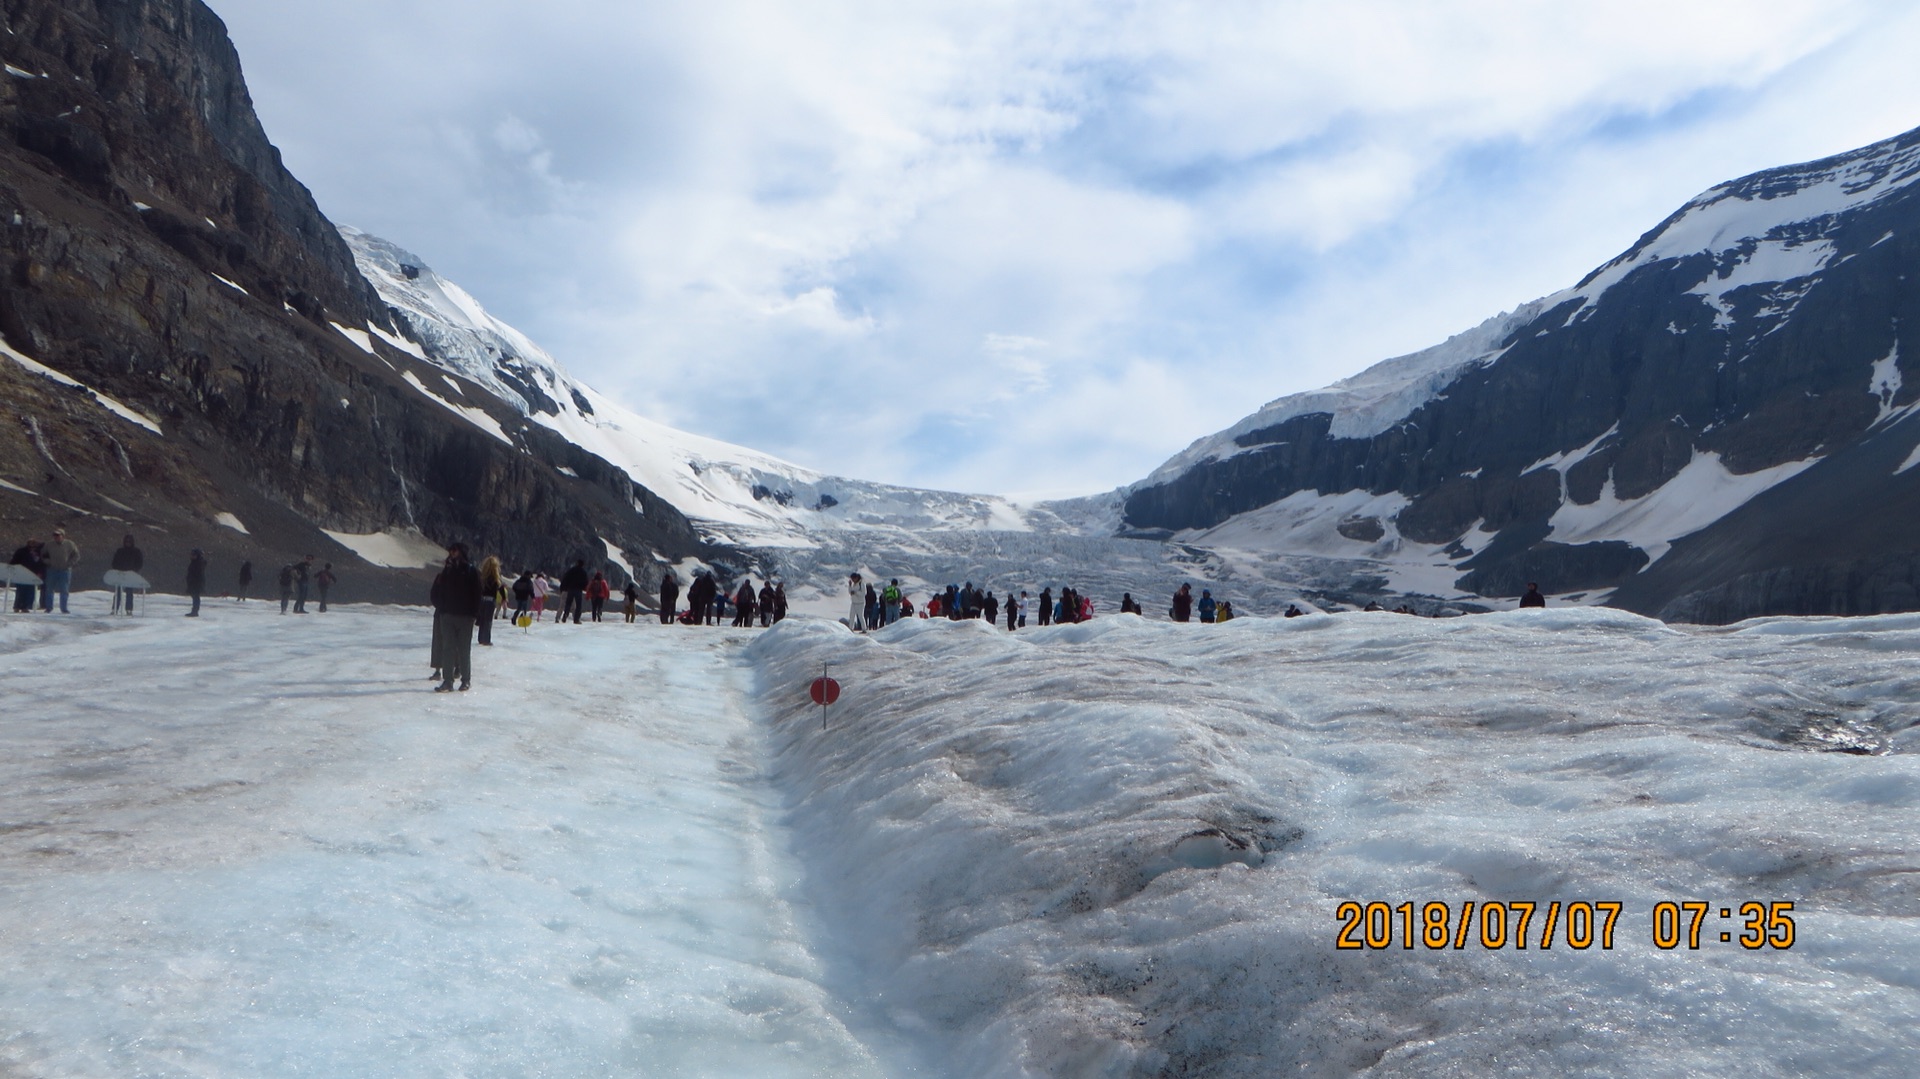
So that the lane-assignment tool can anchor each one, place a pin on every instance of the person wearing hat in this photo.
(61, 555)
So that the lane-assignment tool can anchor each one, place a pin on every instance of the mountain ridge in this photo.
(1743, 341)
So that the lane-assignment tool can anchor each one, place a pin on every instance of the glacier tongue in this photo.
(738, 495)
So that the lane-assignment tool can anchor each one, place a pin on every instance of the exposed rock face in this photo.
(156, 251)
(1737, 354)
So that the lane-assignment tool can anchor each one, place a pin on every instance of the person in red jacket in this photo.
(597, 592)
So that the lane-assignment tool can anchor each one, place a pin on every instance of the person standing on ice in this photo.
(540, 590)
(27, 557)
(1127, 605)
(196, 580)
(1013, 609)
(126, 559)
(246, 580)
(743, 605)
(573, 591)
(61, 556)
(669, 595)
(597, 592)
(286, 586)
(302, 577)
(456, 601)
(1207, 606)
(1533, 598)
(323, 581)
(890, 602)
(1182, 609)
(1046, 605)
(522, 595)
(856, 603)
(779, 601)
(631, 593)
(701, 596)
(766, 604)
(489, 599)
(990, 610)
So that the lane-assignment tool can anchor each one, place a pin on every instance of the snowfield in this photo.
(256, 845)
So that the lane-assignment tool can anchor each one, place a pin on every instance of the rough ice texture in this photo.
(1118, 848)
(1111, 849)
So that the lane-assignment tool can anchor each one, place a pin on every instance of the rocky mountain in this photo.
(192, 355)
(1716, 424)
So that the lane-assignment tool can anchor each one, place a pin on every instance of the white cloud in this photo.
(944, 242)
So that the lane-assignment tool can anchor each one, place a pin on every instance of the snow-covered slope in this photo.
(1373, 400)
(737, 495)
(1731, 358)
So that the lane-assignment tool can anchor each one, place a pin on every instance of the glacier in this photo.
(1117, 848)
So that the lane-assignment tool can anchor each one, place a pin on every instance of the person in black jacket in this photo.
(456, 602)
(522, 595)
(743, 605)
(27, 557)
(246, 579)
(573, 588)
(127, 559)
(1182, 609)
(196, 580)
(669, 595)
(302, 576)
(1533, 598)
(699, 598)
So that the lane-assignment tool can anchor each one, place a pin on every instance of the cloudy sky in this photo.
(1034, 247)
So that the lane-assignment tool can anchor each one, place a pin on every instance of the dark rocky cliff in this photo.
(1780, 346)
(153, 248)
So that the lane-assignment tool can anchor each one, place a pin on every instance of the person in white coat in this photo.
(857, 609)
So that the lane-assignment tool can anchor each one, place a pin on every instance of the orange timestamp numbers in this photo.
(1578, 924)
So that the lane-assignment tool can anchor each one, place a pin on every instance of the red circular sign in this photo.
(825, 691)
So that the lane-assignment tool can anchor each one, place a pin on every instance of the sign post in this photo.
(824, 692)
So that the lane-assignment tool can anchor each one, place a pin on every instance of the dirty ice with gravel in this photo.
(254, 845)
